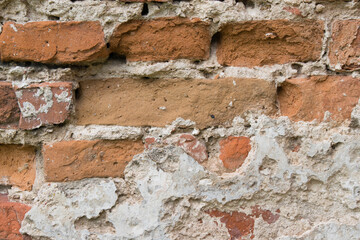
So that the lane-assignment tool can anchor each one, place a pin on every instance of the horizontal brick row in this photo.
(79, 159)
(244, 44)
(158, 102)
(83, 42)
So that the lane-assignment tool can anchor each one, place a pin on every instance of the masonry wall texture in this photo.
(164, 119)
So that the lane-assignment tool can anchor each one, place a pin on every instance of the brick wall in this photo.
(197, 119)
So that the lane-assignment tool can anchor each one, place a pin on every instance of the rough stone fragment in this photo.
(59, 205)
(344, 50)
(11, 216)
(53, 42)
(309, 99)
(268, 42)
(162, 39)
(74, 160)
(157, 102)
(233, 151)
(9, 109)
(43, 104)
(17, 166)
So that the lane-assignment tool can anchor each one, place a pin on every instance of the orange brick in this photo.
(17, 166)
(308, 99)
(233, 151)
(158, 102)
(268, 42)
(162, 39)
(53, 42)
(75, 160)
(344, 51)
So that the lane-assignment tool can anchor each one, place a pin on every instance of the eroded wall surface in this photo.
(196, 119)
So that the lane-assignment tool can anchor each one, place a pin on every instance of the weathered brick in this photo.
(233, 151)
(17, 166)
(191, 145)
(75, 160)
(159, 102)
(11, 216)
(309, 99)
(9, 109)
(268, 42)
(162, 39)
(194, 147)
(53, 42)
(43, 104)
(344, 51)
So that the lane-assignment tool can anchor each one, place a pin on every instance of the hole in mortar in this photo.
(247, 3)
(145, 10)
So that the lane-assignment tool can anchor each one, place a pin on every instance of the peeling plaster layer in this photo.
(59, 205)
(164, 188)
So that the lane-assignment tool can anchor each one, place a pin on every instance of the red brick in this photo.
(9, 109)
(158, 102)
(75, 160)
(17, 166)
(344, 50)
(240, 224)
(268, 42)
(233, 151)
(308, 99)
(11, 216)
(162, 39)
(53, 42)
(44, 104)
